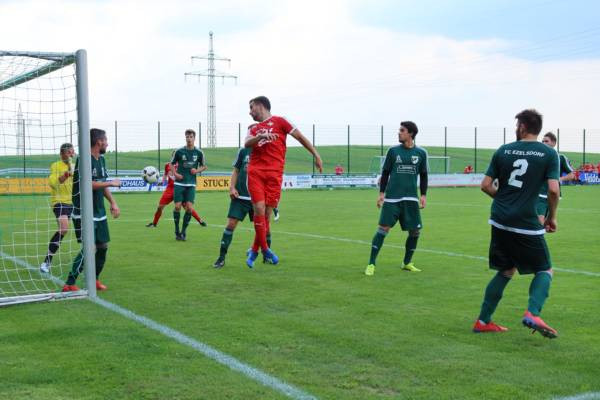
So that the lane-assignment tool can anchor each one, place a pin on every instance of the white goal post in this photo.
(43, 104)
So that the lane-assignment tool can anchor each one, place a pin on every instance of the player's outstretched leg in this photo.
(538, 293)
(492, 296)
(410, 246)
(197, 218)
(376, 245)
(157, 216)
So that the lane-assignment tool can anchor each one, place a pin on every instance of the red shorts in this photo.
(166, 197)
(265, 186)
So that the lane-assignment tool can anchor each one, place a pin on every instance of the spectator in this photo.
(468, 169)
(339, 170)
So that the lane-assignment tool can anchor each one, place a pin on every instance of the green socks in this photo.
(176, 216)
(76, 270)
(493, 294)
(100, 260)
(376, 244)
(538, 292)
(410, 247)
(187, 217)
(225, 241)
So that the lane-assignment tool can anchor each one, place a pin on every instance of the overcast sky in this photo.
(455, 63)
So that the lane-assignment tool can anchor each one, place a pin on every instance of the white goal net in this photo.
(38, 115)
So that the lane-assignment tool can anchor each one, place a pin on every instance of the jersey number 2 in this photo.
(520, 169)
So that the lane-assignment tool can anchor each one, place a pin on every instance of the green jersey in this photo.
(187, 159)
(565, 168)
(99, 174)
(404, 166)
(241, 164)
(521, 169)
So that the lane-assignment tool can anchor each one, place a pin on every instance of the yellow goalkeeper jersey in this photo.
(60, 192)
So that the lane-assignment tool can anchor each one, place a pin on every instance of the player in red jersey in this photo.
(167, 197)
(267, 138)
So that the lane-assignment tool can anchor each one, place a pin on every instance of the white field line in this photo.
(582, 396)
(208, 351)
(364, 242)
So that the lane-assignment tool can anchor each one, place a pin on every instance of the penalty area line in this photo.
(582, 396)
(210, 352)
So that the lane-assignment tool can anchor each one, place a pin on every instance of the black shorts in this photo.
(62, 209)
(529, 253)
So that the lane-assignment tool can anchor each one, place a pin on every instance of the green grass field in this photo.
(298, 160)
(315, 321)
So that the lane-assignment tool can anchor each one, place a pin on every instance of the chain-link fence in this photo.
(351, 149)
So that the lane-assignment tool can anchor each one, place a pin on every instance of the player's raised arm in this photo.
(308, 146)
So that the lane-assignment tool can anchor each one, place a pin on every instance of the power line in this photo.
(211, 73)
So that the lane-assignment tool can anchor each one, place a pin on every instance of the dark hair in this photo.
(531, 119)
(188, 131)
(262, 100)
(95, 135)
(551, 136)
(65, 146)
(411, 127)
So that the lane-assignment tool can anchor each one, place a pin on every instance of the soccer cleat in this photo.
(538, 324)
(182, 236)
(100, 285)
(251, 258)
(178, 236)
(275, 214)
(410, 267)
(220, 263)
(70, 288)
(203, 223)
(370, 270)
(270, 257)
(150, 225)
(45, 268)
(481, 327)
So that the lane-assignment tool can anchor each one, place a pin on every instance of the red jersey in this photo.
(270, 154)
(170, 181)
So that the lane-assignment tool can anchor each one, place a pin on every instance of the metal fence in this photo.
(354, 148)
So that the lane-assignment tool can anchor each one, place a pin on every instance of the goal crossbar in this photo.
(57, 61)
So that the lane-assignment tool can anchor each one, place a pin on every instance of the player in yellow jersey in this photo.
(61, 187)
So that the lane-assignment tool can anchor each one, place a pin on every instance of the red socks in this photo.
(157, 215)
(195, 215)
(260, 237)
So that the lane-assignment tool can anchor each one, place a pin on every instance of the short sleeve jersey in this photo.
(270, 154)
(99, 174)
(565, 168)
(404, 166)
(170, 180)
(186, 159)
(521, 169)
(241, 164)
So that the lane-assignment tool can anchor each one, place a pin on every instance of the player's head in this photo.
(190, 137)
(529, 122)
(408, 130)
(66, 151)
(260, 108)
(98, 139)
(549, 139)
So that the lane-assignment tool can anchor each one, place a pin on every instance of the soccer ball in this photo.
(150, 174)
